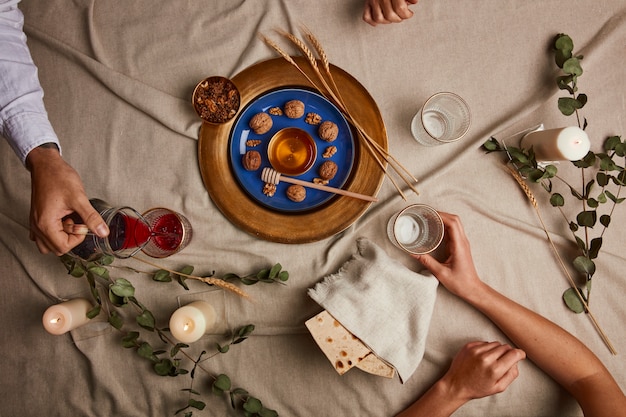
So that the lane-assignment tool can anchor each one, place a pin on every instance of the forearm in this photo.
(438, 401)
(549, 346)
(23, 118)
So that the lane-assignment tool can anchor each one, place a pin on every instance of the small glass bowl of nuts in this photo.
(216, 99)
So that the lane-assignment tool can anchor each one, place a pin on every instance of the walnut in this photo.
(313, 118)
(269, 189)
(261, 123)
(329, 151)
(251, 160)
(296, 193)
(294, 109)
(275, 111)
(253, 142)
(328, 170)
(328, 131)
(320, 181)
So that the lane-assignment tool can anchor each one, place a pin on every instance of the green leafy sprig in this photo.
(599, 190)
(169, 362)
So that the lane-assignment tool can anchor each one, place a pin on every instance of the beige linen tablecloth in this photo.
(118, 77)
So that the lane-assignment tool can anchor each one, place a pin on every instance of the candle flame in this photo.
(55, 320)
(186, 327)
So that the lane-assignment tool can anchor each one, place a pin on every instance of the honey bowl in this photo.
(216, 99)
(292, 151)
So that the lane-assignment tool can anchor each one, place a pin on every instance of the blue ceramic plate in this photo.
(241, 133)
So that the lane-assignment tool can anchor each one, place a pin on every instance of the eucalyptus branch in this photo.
(607, 172)
(121, 293)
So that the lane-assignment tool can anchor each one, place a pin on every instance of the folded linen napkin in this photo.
(383, 303)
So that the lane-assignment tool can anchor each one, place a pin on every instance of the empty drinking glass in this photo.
(444, 118)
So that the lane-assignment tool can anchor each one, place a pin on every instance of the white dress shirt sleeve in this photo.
(23, 117)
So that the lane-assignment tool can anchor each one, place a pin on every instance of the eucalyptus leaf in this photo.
(557, 200)
(605, 220)
(222, 382)
(572, 67)
(146, 351)
(146, 320)
(177, 347)
(164, 367)
(99, 271)
(116, 320)
(252, 405)
(564, 43)
(602, 178)
(568, 105)
(572, 300)
(122, 288)
(130, 340)
(584, 265)
(563, 83)
(162, 276)
(94, 311)
(77, 270)
(587, 161)
(198, 405)
(275, 270)
(611, 143)
(492, 145)
(266, 412)
(594, 247)
(587, 218)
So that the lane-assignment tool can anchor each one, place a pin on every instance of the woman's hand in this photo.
(457, 273)
(481, 369)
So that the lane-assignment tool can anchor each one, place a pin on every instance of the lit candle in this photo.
(189, 323)
(568, 143)
(63, 317)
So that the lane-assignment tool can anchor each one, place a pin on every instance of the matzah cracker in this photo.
(374, 365)
(342, 348)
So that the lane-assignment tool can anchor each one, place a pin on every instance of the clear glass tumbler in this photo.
(444, 118)
(417, 229)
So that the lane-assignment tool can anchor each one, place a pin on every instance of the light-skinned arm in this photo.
(558, 353)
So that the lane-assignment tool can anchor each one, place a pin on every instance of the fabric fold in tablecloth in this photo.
(383, 303)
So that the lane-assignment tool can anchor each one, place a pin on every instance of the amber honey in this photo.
(292, 151)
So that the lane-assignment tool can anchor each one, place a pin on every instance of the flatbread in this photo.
(374, 365)
(342, 348)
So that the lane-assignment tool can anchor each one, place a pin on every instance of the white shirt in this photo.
(23, 117)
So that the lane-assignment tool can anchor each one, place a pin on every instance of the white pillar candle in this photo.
(568, 143)
(63, 317)
(189, 323)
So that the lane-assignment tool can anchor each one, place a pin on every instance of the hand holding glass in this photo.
(417, 229)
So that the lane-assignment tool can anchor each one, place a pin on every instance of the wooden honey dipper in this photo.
(273, 177)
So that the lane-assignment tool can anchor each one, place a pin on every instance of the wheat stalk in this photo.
(333, 93)
(208, 280)
(531, 197)
(396, 165)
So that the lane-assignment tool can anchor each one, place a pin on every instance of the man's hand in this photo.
(57, 191)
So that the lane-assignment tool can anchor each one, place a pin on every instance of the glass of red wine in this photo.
(170, 232)
(129, 232)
